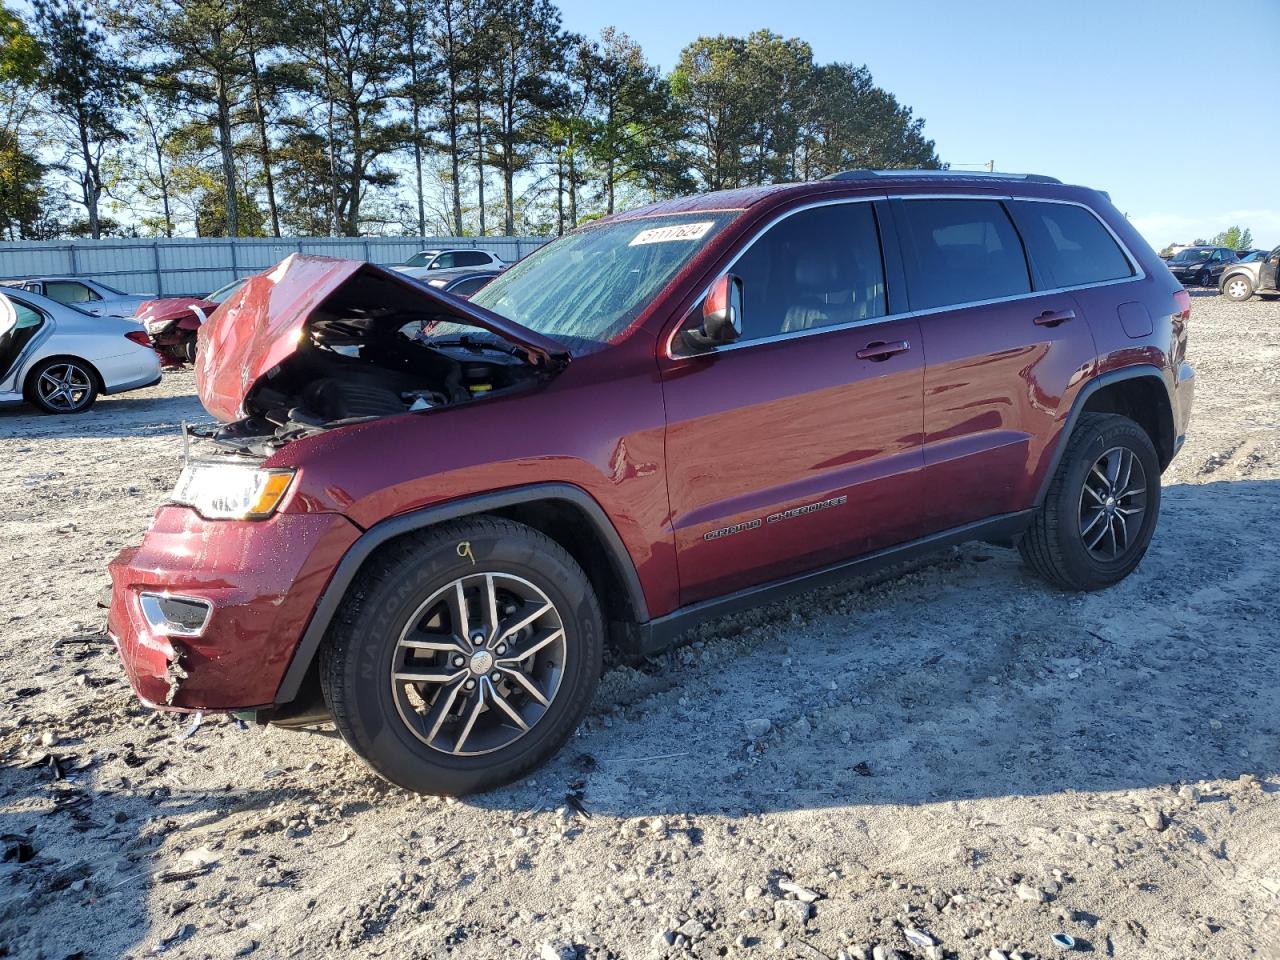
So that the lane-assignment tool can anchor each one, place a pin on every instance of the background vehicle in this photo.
(670, 414)
(428, 261)
(1200, 266)
(60, 358)
(1240, 281)
(172, 322)
(91, 296)
(463, 281)
(1248, 256)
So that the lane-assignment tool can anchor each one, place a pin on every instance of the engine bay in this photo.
(349, 372)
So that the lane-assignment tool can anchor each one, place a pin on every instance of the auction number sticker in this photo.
(683, 231)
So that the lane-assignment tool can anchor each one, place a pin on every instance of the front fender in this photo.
(387, 530)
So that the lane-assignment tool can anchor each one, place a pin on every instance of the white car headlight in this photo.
(231, 491)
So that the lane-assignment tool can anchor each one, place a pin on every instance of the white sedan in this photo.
(60, 358)
(91, 296)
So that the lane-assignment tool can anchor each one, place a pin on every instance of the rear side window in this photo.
(465, 288)
(965, 251)
(816, 268)
(1069, 245)
(65, 291)
(470, 259)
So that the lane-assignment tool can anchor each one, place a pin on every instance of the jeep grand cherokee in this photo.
(424, 517)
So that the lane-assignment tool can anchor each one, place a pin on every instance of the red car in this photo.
(172, 322)
(661, 417)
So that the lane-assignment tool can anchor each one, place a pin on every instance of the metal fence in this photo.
(182, 267)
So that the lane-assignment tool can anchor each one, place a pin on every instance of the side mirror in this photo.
(721, 320)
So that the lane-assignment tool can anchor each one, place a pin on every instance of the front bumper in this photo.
(262, 579)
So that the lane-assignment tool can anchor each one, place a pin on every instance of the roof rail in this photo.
(940, 174)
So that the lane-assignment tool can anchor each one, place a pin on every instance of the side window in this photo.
(472, 258)
(443, 262)
(27, 318)
(465, 288)
(965, 251)
(816, 268)
(66, 291)
(1068, 244)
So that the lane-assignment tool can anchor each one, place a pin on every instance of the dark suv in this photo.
(1201, 266)
(424, 518)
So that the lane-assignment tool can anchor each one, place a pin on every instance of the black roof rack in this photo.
(940, 175)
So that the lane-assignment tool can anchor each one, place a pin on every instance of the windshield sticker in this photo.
(683, 231)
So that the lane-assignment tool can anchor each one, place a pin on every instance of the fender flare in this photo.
(1138, 371)
(382, 532)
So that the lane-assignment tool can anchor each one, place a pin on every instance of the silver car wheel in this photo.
(478, 664)
(1237, 288)
(65, 387)
(1112, 502)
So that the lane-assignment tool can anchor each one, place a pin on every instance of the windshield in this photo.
(420, 259)
(1192, 256)
(588, 286)
(223, 292)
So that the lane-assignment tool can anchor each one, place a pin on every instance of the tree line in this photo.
(368, 117)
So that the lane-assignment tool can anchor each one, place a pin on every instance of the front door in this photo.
(799, 445)
(1268, 272)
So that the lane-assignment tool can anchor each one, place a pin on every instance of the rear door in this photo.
(1001, 351)
(800, 444)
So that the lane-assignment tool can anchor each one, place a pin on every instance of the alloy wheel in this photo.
(64, 386)
(478, 664)
(1112, 503)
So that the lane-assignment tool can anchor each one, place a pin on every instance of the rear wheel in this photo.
(187, 348)
(1238, 288)
(464, 656)
(62, 385)
(1100, 512)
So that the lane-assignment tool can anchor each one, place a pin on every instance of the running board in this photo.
(663, 632)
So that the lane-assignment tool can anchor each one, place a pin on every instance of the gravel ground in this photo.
(950, 763)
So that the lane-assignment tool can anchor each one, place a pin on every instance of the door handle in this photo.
(879, 350)
(1051, 318)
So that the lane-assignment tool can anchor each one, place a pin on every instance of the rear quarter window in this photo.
(965, 251)
(1069, 245)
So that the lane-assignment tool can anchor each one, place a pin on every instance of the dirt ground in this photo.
(958, 761)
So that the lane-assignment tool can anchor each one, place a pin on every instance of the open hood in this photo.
(265, 322)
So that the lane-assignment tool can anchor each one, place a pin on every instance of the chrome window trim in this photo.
(1134, 263)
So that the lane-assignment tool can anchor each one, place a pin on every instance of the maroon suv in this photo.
(424, 518)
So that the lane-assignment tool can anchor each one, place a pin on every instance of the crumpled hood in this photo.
(163, 310)
(263, 323)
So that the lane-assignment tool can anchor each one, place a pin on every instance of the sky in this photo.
(1173, 107)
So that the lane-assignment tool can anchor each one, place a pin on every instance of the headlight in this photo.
(231, 491)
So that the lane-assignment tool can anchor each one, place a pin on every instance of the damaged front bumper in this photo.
(261, 580)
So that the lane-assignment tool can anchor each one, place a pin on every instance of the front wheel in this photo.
(1204, 279)
(1238, 288)
(1100, 512)
(464, 656)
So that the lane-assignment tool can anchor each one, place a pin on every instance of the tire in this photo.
(1204, 279)
(389, 721)
(187, 348)
(1237, 288)
(1056, 546)
(62, 385)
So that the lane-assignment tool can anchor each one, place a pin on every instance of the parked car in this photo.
(1200, 266)
(61, 358)
(462, 282)
(90, 296)
(1240, 281)
(664, 416)
(172, 322)
(1248, 256)
(426, 262)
